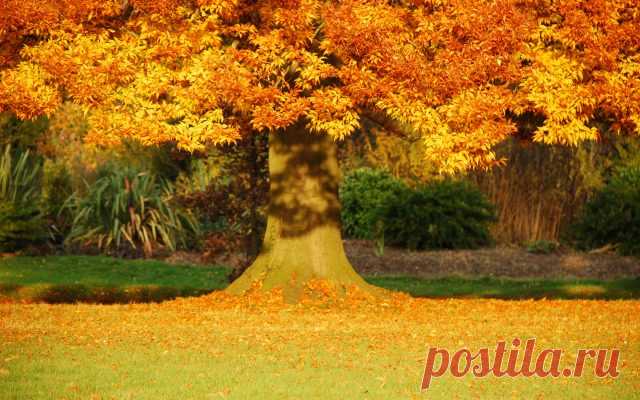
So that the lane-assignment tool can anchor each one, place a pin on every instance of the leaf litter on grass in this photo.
(383, 340)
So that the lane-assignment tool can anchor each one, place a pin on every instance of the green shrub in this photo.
(612, 216)
(20, 226)
(57, 187)
(125, 210)
(441, 215)
(21, 135)
(364, 194)
(21, 221)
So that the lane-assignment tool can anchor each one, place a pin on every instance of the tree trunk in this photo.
(302, 241)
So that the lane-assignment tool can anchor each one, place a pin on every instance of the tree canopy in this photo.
(458, 73)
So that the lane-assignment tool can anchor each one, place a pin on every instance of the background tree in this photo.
(228, 190)
(309, 72)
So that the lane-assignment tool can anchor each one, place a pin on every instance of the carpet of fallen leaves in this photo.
(357, 331)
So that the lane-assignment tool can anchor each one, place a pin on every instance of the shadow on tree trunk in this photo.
(302, 242)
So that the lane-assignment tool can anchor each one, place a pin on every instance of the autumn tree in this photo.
(197, 73)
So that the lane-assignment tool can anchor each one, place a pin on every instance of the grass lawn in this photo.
(210, 347)
(70, 279)
(512, 288)
(198, 349)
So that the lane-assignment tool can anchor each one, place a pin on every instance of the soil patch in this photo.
(502, 261)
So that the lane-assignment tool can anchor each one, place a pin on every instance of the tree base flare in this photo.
(317, 292)
(302, 242)
(313, 265)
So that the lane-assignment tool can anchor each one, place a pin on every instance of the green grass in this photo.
(194, 351)
(54, 371)
(512, 288)
(69, 279)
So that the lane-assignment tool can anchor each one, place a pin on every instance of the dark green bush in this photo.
(20, 226)
(124, 210)
(364, 194)
(21, 222)
(441, 215)
(21, 135)
(612, 216)
(57, 187)
(445, 214)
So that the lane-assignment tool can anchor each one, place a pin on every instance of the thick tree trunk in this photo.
(302, 241)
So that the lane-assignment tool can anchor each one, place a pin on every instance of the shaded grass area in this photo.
(91, 279)
(512, 288)
(105, 280)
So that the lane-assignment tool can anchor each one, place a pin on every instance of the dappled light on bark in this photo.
(303, 240)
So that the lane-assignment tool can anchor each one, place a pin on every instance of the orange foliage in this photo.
(449, 71)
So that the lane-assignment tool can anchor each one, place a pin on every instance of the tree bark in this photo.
(302, 241)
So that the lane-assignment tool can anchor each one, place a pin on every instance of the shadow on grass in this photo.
(512, 288)
(79, 293)
(507, 289)
(104, 280)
